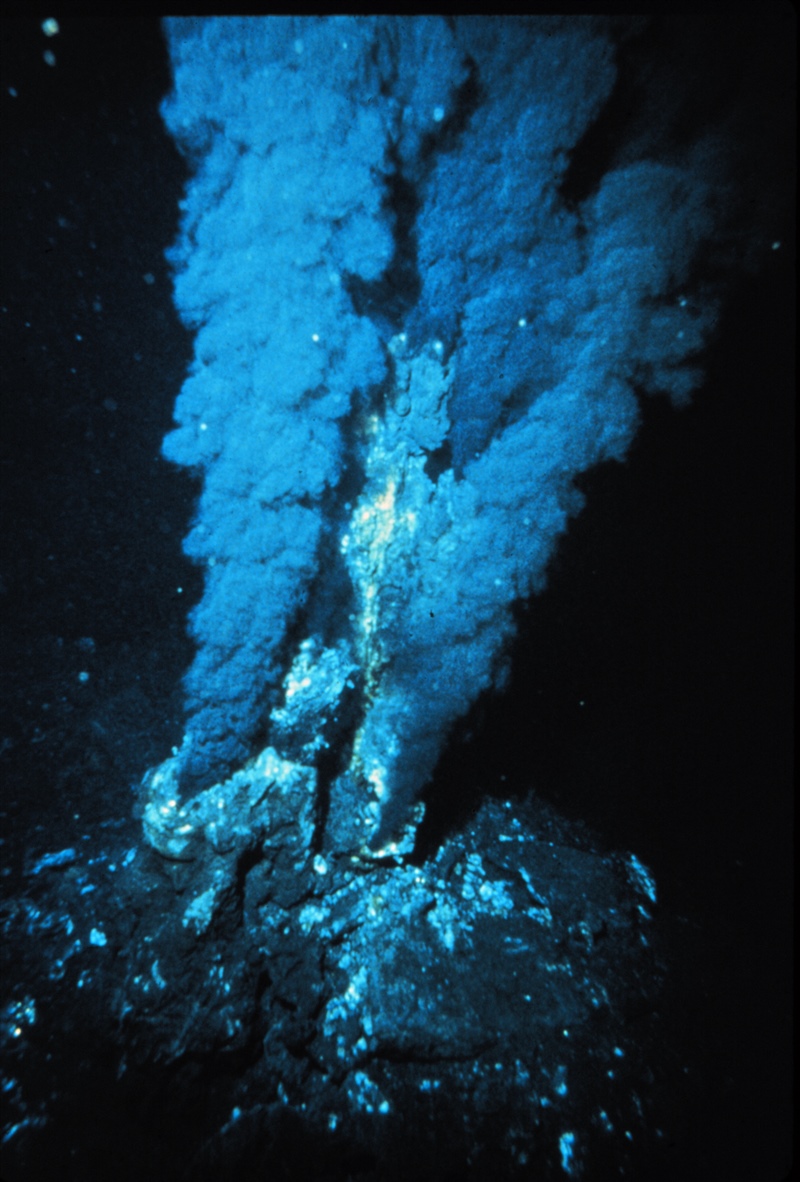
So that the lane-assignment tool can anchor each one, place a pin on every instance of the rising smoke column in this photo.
(389, 450)
(285, 202)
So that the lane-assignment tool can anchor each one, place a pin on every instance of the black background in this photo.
(651, 691)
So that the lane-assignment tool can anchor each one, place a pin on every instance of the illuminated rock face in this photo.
(394, 590)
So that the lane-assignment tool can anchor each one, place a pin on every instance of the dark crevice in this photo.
(388, 300)
(439, 461)
(447, 136)
(594, 154)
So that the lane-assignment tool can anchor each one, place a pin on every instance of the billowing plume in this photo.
(410, 337)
